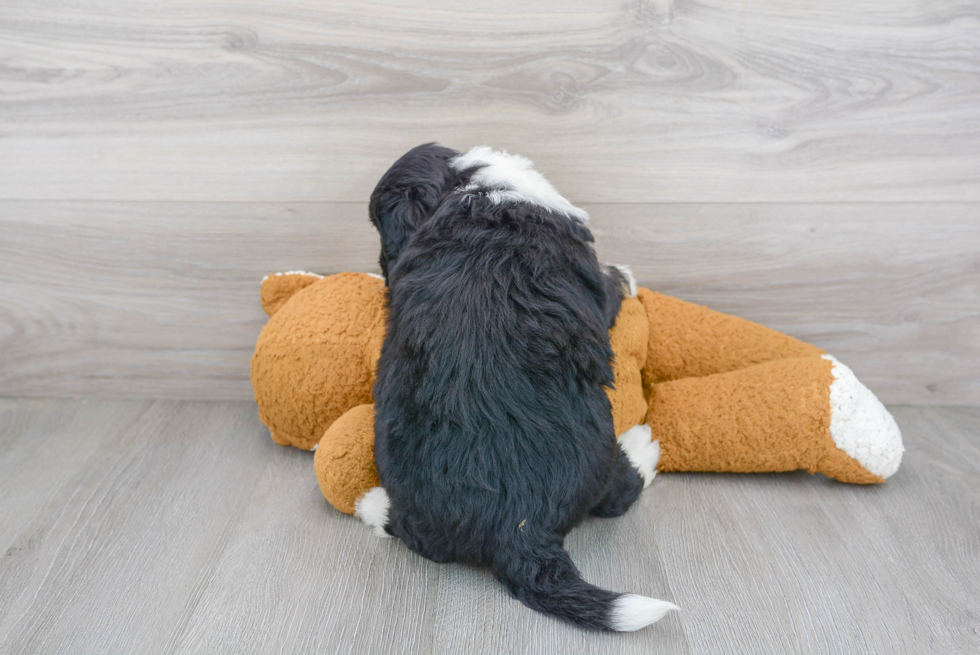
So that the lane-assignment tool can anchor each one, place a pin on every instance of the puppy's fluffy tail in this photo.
(543, 577)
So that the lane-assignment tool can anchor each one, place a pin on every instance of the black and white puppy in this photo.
(493, 432)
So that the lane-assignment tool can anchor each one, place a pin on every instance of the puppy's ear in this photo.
(407, 196)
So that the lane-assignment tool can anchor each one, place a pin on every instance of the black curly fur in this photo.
(407, 195)
(494, 435)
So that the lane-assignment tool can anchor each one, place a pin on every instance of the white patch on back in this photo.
(860, 425)
(372, 508)
(512, 178)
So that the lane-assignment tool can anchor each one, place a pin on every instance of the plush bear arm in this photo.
(344, 460)
(629, 337)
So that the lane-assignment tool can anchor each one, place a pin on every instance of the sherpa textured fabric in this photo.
(688, 340)
(280, 287)
(317, 355)
(344, 460)
(629, 338)
(773, 416)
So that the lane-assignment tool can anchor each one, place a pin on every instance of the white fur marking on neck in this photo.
(512, 178)
(860, 425)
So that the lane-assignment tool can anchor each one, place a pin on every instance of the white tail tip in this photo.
(631, 612)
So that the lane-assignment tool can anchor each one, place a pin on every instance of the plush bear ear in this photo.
(277, 288)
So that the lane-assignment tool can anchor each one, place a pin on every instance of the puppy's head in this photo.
(415, 185)
(408, 194)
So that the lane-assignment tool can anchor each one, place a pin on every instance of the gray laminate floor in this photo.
(166, 526)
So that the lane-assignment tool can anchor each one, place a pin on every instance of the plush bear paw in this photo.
(860, 425)
(643, 453)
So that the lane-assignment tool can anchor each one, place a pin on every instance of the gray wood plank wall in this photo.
(812, 166)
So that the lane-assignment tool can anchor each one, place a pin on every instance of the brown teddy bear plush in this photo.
(717, 392)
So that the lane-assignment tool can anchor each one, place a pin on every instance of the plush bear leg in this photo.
(689, 340)
(804, 413)
(727, 394)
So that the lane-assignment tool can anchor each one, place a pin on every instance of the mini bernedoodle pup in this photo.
(493, 433)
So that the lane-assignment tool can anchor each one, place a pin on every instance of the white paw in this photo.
(860, 425)
(642, 452)
(372, 508)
